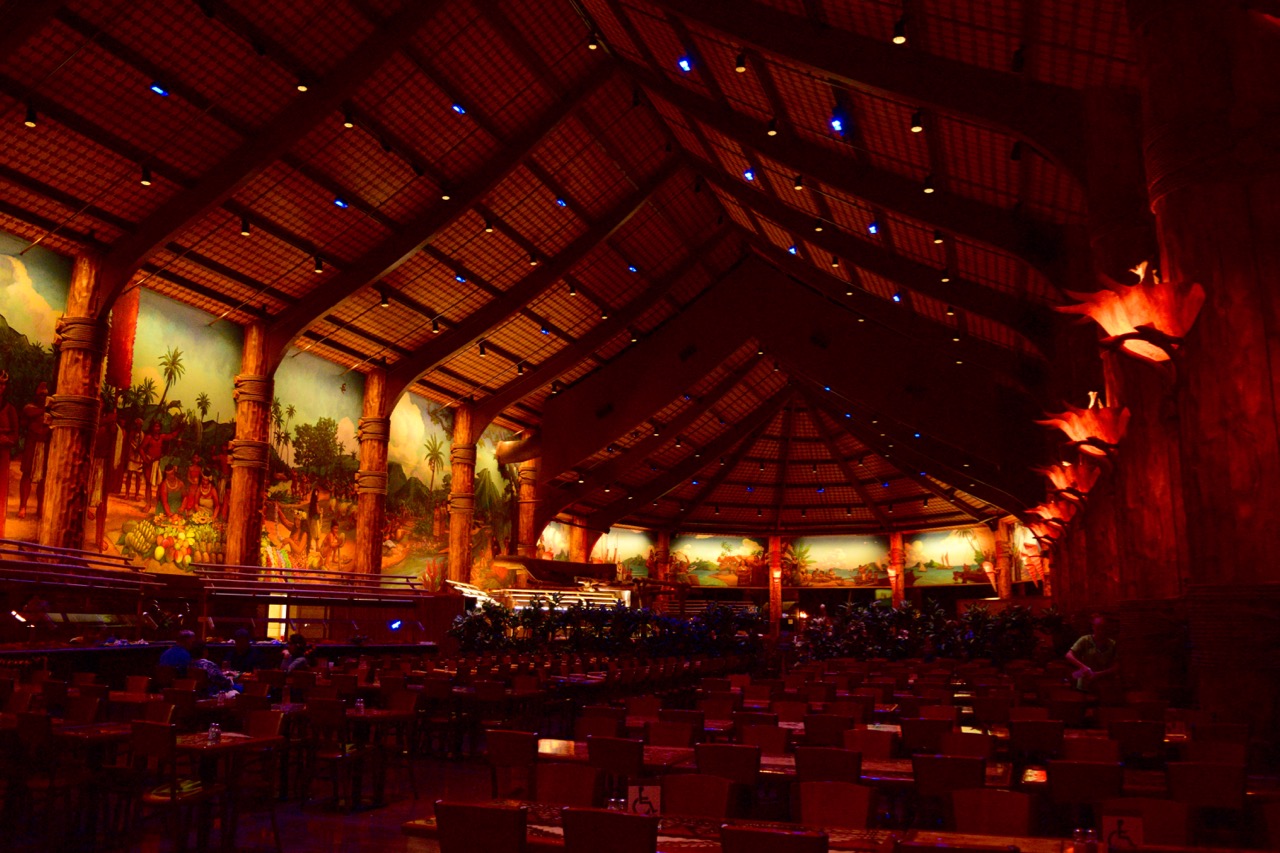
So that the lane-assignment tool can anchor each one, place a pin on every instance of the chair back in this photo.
(1163, 821)
(1232, 732)
(668, 734)
(79, 678)
(480, 828)
(54, 694)
(772, 740)
(565, 784)
(1091, 749)
(971, 744)
(828, 764)
(264, 723)
(1138, 738)
(697, 719)
(1216, 751)
(992, 709)
(508, 748)
(620, 758)
(18, 702)
(839, 804)
(986, 811)
(940, 712)
(327, 720)
(607, 712)
(738, 763)
(1036, 738)
(924, 735)
(593, 830)
(643, 706)
(872, 743)
(789, 711)
(820, 691)
(137, 683)
(718, 708)
(81, 711)
(1028, 712)
(183, 701)
(750, 839)
(1084, 781)
(826, 729)
(695, 795)
(156, 711)
(1202, 784)
(752, 718)
(585, 727)
(939, 775)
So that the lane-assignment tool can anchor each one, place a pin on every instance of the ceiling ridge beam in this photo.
(726, 468)
(605, 516)
(1048, 116)
(256, 153)
(815, 415)
(410, 238)
(1039, 244)
(496, 311)
(780, 483)
(596, 337)
(1026, 318)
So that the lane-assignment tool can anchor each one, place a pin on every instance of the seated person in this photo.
(178, 656)
(243, 657)
(1094, 656)
(219, 681)
(297, 655)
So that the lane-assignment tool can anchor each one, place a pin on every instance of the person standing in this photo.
(1094, 656)
(35, 450)
(154, 444)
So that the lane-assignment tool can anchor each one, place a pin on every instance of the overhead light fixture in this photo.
(460, 278)
(341, 202)
(488, 226)
(519, 368)
(839, 120)
(445, 193)
(897, 296)
(573, 289)
(759, 512)
(817, 224)
(928, 184)
(717, 508)
(917, 122)
(544, 329)
(835, 262)
(384, 299)
(244, 226)
(759, 349)
(633, 268)
(348, 120)
(791, 250)
(145, 177)
(938, 237)
(740, 64)
(319, 267)
(946, 275)
(533, 259)
(557, 387)
(900, 30)
(604, 312)
(873, 227)
(848, 510)
(798, 183)
(560, 202)
(159, 89)
(849, 292)
(685, 64)
(483, 352)
(749, 173)
(772, 129)
(303, 84)
(593, 43)
(951, 311)
(459, 109)
(435, 325)
(804, 513)
(33, 118)
(634, 336)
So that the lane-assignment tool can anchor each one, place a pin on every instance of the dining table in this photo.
(657, 759)
(222, 761)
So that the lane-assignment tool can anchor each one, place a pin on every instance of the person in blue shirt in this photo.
(178, 656)
(243, 657)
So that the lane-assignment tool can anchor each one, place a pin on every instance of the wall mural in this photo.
(720, 561)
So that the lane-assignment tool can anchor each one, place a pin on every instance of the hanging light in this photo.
(604, 312)
(938, 237)
(634, 336)
(593, 43)
(533, 259)
(384, 299)
(873, 227)
(798, 183)
(519, 368)
(573, 289)
(244, 226)
(685, 64)
(435, 325)
(341, 202)
(145, 177)
(459, 109)
(951, 311)
(897, 296)
(749, 173)
(348, 120)
(772, 129)
(319, 267)
(445, 193)
(488, 226)
(900, 30)
(33, 117)
(835, 262)
(303, 84)
(917, 122)
(740, 64)
(928, 184)
(817, 224)
(946, 275)
(483, 352)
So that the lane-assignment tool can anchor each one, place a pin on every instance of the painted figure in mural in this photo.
(106, 454)
(35, 450)
(207, 495)
(331, 547)
(8, 440)
(154, 445)
(170, 493)
(194, 472)
(222, 463)
(132, 479)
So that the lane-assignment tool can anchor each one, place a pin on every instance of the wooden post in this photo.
(775, 588)
(371, 478)
(74, 410)
(581, 540)
(662, 556)
(1004, 559)
(462, 496)
(250, 453)
(527, 508)
(897, 568)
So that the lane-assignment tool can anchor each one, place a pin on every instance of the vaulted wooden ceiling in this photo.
(563, 181)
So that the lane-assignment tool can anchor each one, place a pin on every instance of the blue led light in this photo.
(837, 124)
(394, 625)
(632, 268)
(826, 387)
(545, 330)
(873, 228)
(749, 489)
(341, 202)
(917, 435)
(562, 203)
(822, 489)
(897, 297)
(885, 484)
(695, 482)
(749, 174)
(847, 415)
(159, 90)
(460, 279)
(792, 250)
(685, 64)
(460, 109)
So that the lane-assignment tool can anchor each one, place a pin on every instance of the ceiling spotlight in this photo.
(740, 64)
(348, 120)
(839, 120)
(759, 349)
(685, 64)
(561, 203)
(759, 512)
(533, 259)
(897, 296)
(33, 117)
(749, 174)
(632, 268)
(445, 193)
(873, 227)
(460, 278)
(303, 84)
(244, 226)
(717, 509)
(435, 325)
(159, 89)
(593, 43)
(319, 267)
(459, 109)
(900, 31)
(938, 238)
(544, 329)
(951, 311)
(849, 292)
(946, 275)
(557, 387)
(634, 336)
(573, 289)
(817, 224)
(798, 183)
(917, 122)
(145, 177)
(835, 262)
(604, 312)
(488, 226)
(928, 184)
(772, 129)
(483, 352)
(384, 300)
(341, 202)
(519, 368)
(791, 250)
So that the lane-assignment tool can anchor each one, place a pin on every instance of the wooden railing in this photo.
(301, 586)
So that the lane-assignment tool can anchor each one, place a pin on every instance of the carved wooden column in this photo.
(250, 453)
(462, 492)
(897, 568)
(527, 508)
(662, 556)
(1004, 559)
(775, 588)
(74, 408)
(371, 478)
(581, 540)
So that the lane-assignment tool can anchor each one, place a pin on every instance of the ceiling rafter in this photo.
(1047, 116)
(855, 482)
(493, 313)
(1040, 244)
(1026, 318)
(784, 459)
(402, 244)
(726, 469)
(605, 516)
(538, 375)
(256, 153)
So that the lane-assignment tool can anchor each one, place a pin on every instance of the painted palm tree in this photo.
(435, 461)
(146, 391)
(172, 369)
(277, 421)
(202, 404)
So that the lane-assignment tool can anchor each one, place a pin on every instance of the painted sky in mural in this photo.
(719, 560)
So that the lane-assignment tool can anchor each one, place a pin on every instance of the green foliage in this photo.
(583, 628)
(879, 631)
(316, 449)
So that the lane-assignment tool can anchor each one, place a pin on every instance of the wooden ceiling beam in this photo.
(276, 138)
(850, 475)
(1047, 116)
(540, 374)
(726, 470)
(1030, 320)
(780, 483)
(513, 300)
(604, 518)
(1039, 244)
(414, 235)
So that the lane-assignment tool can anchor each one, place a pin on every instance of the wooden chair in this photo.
(697, 719)
(1036, 739)
(668, 734)
(758, 696)
(510, 753)
(155, 711)
(1207, 785)
(772, 740)
(1216, 752)
(1141, 739)
(480, 828)
(643, 706)
(739, 763)
(154, 760)
(1067, 705)
(971, 744)
(695, 795)
(1163, 821)
(986, 811)
(329, 747)
(991, 710)
(80, 711)
(1080, 785)
(751, 718)
(260, 777)
(718, 708)
(585, 727)
(621, 759)
(593, 830)
(1231, 732)
(936, 776)
(940, 712)
(789, 710)
(565, 784)
(826, 729)
(1027, 712)
(872, 743)
(1091, 749)
(750, 839)
(828, 764)
(924, 735)
(837, 804)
